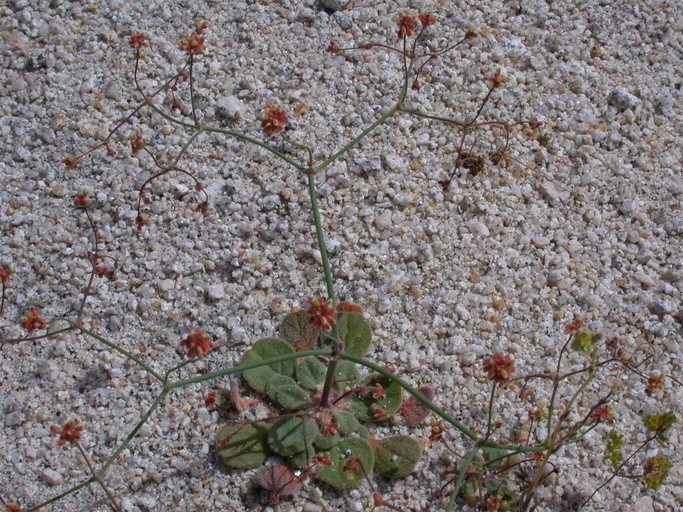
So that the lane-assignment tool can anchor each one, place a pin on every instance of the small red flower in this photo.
(32, 321)
(328, 429)
(321, 313)
(438, 428)
(471, 33)
(5, 274)
(12, 507)
(69, 433)
(377, 392)
(201, 25)
(427, 19)
(81, 200)
(322, 459)
(605, 413)
(333, 47)
(378, 412)
(574, 326)
(274, 118)
(406, 24)
(137, 141)
(194, 43)
(137, 40)
(351, 465)
(497, 79)
(655, 381)
(197, 342)
(210, 400)
(69, 161)
(499, 367)
(493, 504)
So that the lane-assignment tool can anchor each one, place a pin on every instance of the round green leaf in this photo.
(355, 332)
(351, 459)
(292, 397)
(310, 373)
(346, 376)
(276, 382)
(288, 436)
(243, 446)
(395, 457)
(263, 349)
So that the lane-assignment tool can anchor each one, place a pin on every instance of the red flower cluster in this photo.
(194, 43)
(321, 313)
(605, 413)
(406, 24)
(438, 428)
(12, 507)
(574, 326)
(137, 141)
(328, 429)
(69, 161)
(497, 79)
(197, 342)
(69, 433)
(137, 40)
(499, 367)
(655, 381)
(5, 274)
(81, 200)
(333, 47)
(32, 321)
(274, 119)
(323, 459)
(427, 19)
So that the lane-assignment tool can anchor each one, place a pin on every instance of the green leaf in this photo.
(327, 442)
(296, 330)
(355, 332)
(276, 382)
(292, 397)
(370, 405)
(660, 424)
(656, 471)
(351, 459)
(243, 446)
(395, 457)
(583, 340)
(348, 424)
(613, 449)
(346, 376)
(288, 436)
(310, 373)
(263, 349)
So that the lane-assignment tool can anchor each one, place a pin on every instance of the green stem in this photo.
(75, 488)
(229, 371)
(490, 415)
(120, 351)
(263, 145)
(461, 477)
(134, 432)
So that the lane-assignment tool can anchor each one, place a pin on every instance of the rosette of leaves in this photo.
(332, 440)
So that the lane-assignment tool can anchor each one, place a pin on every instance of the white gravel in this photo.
(586, 222)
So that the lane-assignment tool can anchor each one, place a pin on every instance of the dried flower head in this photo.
(81, 199)
(322, 459)
(137, 141)
(32, 321)
(69, 161)
(574, 326)
(406, 24)
(498, 79)
(274, 118)
(70, 432)
(499, 367)
(201, 25)
(5, 274)
(137, 40)
(427, 19)
(194, 43)
(605, 414)
(12, 507)
(437, 431)
(197, 343)
(655, 381)
(321, 313)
